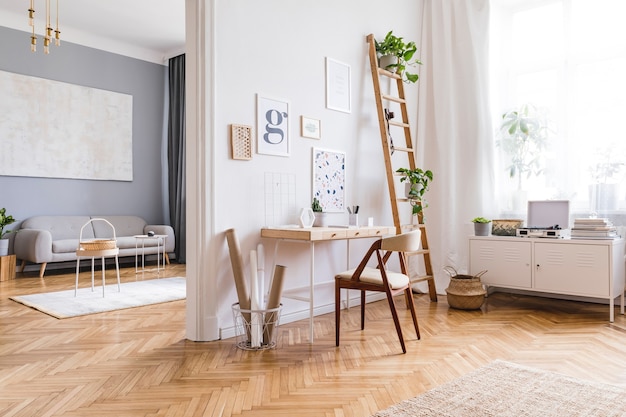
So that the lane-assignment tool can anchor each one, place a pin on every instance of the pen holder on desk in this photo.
(353, 219)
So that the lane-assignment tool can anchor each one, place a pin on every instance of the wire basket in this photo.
(98, 244)
(256, 329)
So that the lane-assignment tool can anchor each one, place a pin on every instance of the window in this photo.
(568, 59)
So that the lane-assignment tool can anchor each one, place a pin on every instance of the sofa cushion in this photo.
(64, 245)
(60, 227)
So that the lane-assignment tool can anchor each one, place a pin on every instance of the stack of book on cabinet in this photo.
(593, 229)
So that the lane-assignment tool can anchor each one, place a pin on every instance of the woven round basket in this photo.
(465, 292)
(98, 244)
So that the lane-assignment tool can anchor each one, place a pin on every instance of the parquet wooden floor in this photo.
(136, 362)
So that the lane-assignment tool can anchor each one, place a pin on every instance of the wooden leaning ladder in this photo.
(385, 124)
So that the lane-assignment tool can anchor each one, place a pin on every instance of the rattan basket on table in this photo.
(98, 244)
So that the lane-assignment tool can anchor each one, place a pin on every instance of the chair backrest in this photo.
(405, 242)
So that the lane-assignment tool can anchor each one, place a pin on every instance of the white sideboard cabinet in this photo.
(574, 267)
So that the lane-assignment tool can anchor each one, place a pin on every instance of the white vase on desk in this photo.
(307, 218)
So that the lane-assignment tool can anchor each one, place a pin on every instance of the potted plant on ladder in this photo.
(395, 55)
(417, 181)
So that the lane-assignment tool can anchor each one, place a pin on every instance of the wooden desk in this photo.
(311, 235)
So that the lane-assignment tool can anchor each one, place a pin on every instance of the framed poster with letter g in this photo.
(272, 126)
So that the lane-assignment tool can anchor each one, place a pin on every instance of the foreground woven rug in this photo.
(63, 304)
(506, 389)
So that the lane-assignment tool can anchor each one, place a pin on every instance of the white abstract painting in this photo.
(60, 130)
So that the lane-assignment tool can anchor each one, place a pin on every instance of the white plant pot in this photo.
(4, 247)
(386, 60)
(482, 229)
(320, 219)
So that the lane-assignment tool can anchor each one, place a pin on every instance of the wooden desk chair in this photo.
(379, 279)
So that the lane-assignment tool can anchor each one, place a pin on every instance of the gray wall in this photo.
(27, 196)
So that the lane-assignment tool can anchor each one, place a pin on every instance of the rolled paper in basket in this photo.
(260, 254)
(240, 280)
(256, 320)
(273, 302)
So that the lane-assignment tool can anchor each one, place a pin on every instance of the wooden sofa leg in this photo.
(23, 266)
(167, 258)
(42, 270)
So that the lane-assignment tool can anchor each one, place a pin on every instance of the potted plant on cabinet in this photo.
(395, 55)
(417, 182)
(482, 226)
(5, 220)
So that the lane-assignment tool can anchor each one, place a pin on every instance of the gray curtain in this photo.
(176, 153)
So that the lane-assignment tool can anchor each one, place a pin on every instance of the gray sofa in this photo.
(45, 239)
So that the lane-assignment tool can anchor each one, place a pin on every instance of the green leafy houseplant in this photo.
(4, 222)
(395, 46)
(419, 180)
(523, 135)
(480, 220)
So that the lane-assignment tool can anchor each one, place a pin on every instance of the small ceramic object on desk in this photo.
(307, 218)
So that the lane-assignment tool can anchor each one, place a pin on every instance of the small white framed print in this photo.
(310, 128)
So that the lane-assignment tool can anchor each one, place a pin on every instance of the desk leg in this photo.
(311, 291)
(347, 268)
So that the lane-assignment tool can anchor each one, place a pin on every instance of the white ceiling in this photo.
(152, 30)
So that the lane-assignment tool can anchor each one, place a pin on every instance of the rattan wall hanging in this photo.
(241, 141)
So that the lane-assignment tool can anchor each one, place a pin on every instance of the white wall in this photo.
(278, 48)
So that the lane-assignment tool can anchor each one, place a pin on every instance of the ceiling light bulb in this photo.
(33, 43)
(31, 13)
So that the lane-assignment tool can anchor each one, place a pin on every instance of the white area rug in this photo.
(63, 304)
(506, 389)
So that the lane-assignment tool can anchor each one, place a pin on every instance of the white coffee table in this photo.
(160, 239)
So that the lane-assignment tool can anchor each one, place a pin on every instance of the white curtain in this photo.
(454, 134)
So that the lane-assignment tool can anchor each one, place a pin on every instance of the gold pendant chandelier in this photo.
(48, 29)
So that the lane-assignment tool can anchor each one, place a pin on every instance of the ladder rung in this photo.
(422, 278)
(401, 149)
(412, 226)
(393, 98)
(389, 74)
(418, 252)
(399, 124)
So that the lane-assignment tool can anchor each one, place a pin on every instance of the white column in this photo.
(202, 249)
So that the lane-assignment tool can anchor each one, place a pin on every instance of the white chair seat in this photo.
(373, 276)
